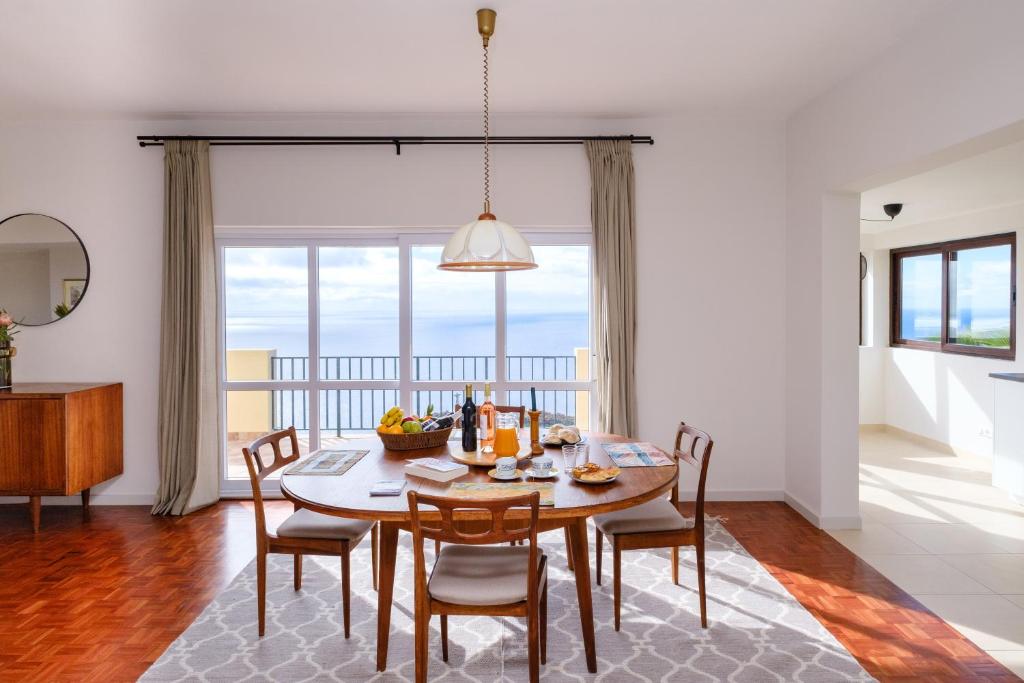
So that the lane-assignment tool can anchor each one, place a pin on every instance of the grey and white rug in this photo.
(757, 630)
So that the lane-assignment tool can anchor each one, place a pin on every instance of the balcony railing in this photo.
(343, 410)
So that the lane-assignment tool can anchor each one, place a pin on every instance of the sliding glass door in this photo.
(387, 328)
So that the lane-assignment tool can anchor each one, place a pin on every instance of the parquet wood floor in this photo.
(99, 599)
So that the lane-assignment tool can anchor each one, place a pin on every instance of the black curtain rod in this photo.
(394, 140)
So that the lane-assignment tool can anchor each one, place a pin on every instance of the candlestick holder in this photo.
(535, 447)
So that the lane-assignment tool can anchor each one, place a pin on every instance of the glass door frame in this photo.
(404, 240)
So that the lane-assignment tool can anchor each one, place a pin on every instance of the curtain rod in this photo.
(393, 140)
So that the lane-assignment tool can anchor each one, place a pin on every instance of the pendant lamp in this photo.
(487, 244)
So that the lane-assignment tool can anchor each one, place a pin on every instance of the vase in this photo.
(7, 352)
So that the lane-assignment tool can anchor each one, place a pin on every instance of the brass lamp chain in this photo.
(487, 136)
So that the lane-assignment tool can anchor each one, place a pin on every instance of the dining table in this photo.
(349, 496)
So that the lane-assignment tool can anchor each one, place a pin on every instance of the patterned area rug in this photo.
(757, 631)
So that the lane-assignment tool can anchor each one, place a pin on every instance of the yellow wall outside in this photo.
(583, 397)
(249, 412)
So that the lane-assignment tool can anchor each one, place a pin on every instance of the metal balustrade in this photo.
(343, 410)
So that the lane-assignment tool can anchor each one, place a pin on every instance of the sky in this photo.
(266, 302)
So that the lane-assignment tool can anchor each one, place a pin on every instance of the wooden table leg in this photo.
(34, 508)
(386, 588)
(581, 561)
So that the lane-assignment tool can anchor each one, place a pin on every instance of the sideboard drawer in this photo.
(32, 453)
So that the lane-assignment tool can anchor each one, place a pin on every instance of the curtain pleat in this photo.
(188, 416)
(613, 216)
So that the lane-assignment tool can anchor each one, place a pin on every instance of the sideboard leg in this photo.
(85, 499)
(34, 506)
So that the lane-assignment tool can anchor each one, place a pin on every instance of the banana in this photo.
(392, 417)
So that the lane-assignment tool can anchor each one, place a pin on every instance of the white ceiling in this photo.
(604, 57)
(985, 181)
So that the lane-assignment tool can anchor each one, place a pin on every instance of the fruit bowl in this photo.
(411, 442)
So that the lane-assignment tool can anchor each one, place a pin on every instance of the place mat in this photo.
(504, 489)
(327, 462)
(637, 455)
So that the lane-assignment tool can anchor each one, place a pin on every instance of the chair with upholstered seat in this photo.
(305, 532)
(472, 577)
(659, 524)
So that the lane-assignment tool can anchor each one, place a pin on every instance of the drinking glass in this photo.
(572, 455)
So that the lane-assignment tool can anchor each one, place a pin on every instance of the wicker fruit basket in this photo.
(412, 442)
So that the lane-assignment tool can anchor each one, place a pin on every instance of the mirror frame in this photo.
(85, 252)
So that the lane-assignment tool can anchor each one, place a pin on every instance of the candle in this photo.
(533, 398)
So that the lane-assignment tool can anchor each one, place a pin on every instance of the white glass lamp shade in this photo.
(487, 244)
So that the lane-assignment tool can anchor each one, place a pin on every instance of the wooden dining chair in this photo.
(305, 532)
(473, 577)
(659, 524)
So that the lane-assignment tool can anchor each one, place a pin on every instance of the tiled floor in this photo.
(935, 526)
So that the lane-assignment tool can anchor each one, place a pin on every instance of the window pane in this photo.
(979, 297)
(453, 321)
(252, 414)
(358, 312)
(347, 412)
(557, 406)
(921, 297)
(444, 400)
(266, 307)
(548, 309)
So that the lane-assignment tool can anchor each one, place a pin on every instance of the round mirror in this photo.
(44, 269)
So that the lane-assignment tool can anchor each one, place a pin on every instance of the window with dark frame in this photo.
(956, 297)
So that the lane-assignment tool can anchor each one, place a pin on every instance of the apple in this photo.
(410, 418)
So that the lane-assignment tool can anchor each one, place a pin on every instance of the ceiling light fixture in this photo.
(487, 244)
(891, 210)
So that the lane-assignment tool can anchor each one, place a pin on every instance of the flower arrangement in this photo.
(7, 326)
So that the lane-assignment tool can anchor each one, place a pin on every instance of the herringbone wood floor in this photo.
(99, 599)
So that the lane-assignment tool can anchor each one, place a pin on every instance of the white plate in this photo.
(603, 481)
(551, 473)
(493, 475)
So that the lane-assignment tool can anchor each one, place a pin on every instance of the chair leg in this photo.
(345, 588)
(568, 550)
(544, 624)
(675, 565)
(374, 549)
(599, 542)
(444, 637)
(437, 548)
(700, 585)
(420, 636)
(297, 579)
(617, 579)
(261, 591)
(533, 642)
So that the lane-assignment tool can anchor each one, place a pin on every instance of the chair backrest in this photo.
(693, 446)
(259, 469)
(520, 410)
(494, 529)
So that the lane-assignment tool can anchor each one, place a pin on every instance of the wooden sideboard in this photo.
(59, 440)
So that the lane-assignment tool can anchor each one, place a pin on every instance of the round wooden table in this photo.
(348, 496)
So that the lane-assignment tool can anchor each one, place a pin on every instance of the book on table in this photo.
(435, 469)
(388, 487)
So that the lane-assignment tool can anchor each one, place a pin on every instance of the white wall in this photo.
(944, 397)
(944, 91)
(710, 219)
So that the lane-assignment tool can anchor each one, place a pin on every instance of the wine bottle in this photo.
(487, 414)
(468, 421)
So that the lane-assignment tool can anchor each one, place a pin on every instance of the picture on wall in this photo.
(73, 292)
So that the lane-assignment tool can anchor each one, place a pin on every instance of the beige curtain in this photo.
(188, 415)
(613, 215)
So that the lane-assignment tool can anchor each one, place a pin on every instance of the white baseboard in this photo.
(825, 523)
(926, 441)
(96, 499)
